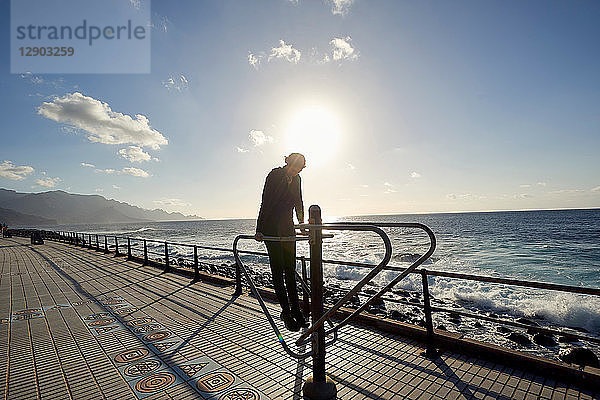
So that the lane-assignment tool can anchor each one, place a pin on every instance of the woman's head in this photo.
(295, 163)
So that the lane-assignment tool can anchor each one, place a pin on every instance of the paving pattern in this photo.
(79, 324)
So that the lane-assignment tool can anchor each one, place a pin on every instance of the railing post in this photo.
(305, 302)
(116, 246)
(430, 352)
(145, 253)
(196, 270)
(238, 280)
(105, 244)
(167, 267)
(317, 386)
(90, 245)
(97, 244)
(128, 248)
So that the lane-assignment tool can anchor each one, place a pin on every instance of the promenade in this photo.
(81, 324)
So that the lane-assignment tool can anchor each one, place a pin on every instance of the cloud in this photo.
(98, 190)
(171, 202)
(16, 173)
(541, 183)
(389, 188)
(134, 154)
(178, 83)
(48, 182)
(350, 166)
(116, 187)
(240, 150)
(86, 165)
(342, 49)
(415, 175)
(258, 138)
(125, 171)
(102, 123)
(285, 51)
(525, 186)
(464, 196)
(254, 59)
(340, 7)
(567, 191)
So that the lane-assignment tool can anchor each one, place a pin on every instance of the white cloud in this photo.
(567, 191)
(525, 186)
(86, 165)
(125, 171)
(47, 182)
(102, 123)
(541, 184)
(415, 175)
(177, 83)
(342, 49)
(340, 7)
(134, 154)
(254, 59)
(171, 202)
(116, 187)
(16, 173)
(464, 196)
(259, 138)
(240, 150)
(98, 190)
(389, 188)
(285, 51)
(135, 3)
(596, 189)
(364, 186)
(350, 166)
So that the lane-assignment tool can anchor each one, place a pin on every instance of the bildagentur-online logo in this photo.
(86, 32)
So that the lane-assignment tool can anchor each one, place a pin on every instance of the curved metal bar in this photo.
(262, 303)
(386, 259)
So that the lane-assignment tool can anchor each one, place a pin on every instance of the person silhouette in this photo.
(282, 194)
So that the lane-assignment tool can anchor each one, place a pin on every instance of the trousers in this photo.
(282, 257)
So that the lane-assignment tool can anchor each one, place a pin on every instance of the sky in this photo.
(399, 107)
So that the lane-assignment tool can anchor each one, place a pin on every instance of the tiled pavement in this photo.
(77, 324)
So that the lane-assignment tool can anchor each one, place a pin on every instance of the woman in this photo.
(283, 193)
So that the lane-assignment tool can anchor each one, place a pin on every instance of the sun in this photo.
(315, 132)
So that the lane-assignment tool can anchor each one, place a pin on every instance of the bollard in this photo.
(128, 249)
(145, 253)
(196, 270)
(167, 267)
(317, 386)
(430, 352)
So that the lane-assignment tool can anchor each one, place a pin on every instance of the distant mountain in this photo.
(67, 208)
(11, 218)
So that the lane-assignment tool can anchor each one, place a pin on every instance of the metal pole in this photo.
(116, 246)
(97, 244)
(128, 248)
(145, 253)
(317, 386)
(238, 280)
(305, 302)
(430, 352)
(105, 244)
(167, 268)
(90, 246)
(196, 270)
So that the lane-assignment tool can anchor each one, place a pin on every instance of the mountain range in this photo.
(59, 207)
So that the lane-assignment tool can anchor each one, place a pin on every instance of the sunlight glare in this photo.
(315, 132)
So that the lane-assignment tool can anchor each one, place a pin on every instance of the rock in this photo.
(492, 315)
(477, 324)
(397, 315)
(503, 329)
(519, 338)
(579, 329)
(370, 291)
(454, 315)
(527, 322)
(442, 328)
(400, 292)
(580, 356)
(454, 320)
(544, 340)
(566, 339)
(377, 302)
(414, 300)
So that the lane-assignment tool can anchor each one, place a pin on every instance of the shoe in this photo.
(299, 317)
(289, 322)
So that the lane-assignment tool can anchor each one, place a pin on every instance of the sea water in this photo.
(559, 246)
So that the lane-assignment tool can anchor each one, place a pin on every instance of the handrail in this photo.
(360, 226)
(259, 297)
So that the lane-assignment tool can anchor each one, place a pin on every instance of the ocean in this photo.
(558, 246)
